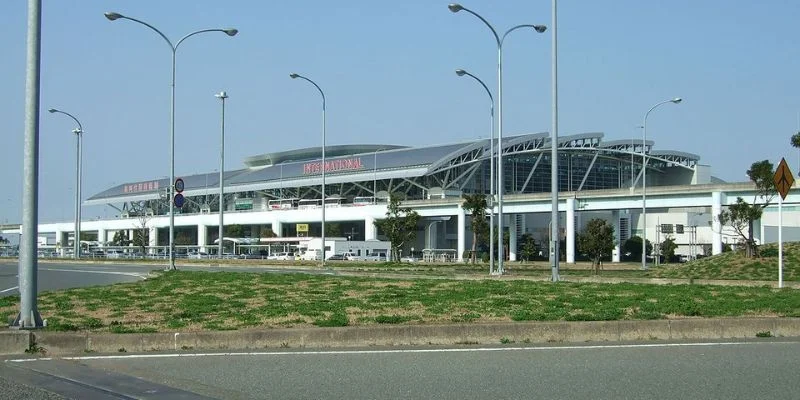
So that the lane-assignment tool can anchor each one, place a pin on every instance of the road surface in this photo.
(765, 368)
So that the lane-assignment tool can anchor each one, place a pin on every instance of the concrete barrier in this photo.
(63, 343)
(14, 341)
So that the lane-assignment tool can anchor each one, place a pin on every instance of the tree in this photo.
(120, 239)
(633, 246)
(795, 141)
(668, 247)
(235, 231)
(399, 226)
(529, 249)
(596, 241)
(141, 236)
(742, 215)
(333, 229)
(267, 233)
(475, 205)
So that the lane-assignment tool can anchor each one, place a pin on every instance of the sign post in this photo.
(783, 182)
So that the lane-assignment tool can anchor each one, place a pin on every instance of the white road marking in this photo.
(9, 289)
(134, 274)
(398, 351)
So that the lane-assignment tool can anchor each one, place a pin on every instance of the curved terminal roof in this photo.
(367, 162)
(311, 153)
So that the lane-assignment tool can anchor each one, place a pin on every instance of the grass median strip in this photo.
(190, 301)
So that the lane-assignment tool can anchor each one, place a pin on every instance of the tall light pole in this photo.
(455, 7)
(29, 316)
(554, 236)
(461, 72)
(222, 96)
(112, 16)
(295, 76)
(644, 177)
(78, 164)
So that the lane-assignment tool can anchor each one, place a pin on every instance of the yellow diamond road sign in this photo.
(783, 178)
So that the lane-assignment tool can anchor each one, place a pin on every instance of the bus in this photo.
(282, 204)
(303, 204)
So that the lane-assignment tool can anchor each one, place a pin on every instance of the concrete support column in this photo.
(512, 237)
(461, 231)
(716, 228)
(202, 236)
(570, 225)
(758, 231)
(62, 245)
(153, 239)
(277, 227)
(370, 231)
(102, 237)
(617, 252)
(430, 234)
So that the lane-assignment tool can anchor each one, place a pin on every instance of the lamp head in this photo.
(231, 31)
(677, 100)
(221, 95)
(52, 110)
(294, 76)
(455, 7)
(461, 72)
(113, 16)
(540, 28)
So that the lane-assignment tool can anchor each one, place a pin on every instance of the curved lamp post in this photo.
(222, 96)
(78, 163)
(296, 76)
(461, 72)
(644, 177)
(112, 16)
(455, 7)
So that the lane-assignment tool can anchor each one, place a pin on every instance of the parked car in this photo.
(336, 257)
(351, 256)
(284, 256)
(376, 257)
(409, 259)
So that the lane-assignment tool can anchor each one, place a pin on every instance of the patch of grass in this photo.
(336, 319)
(764, 334)
(392, 319)
(505, 340)
(465, 317)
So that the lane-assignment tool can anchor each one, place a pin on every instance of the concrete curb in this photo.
(61, 343)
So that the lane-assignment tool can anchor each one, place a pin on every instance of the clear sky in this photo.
(387, 71)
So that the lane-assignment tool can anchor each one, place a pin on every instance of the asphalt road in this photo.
(61, 275)
(712, 370)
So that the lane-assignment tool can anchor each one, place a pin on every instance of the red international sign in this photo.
(346, 164)
(140, 187)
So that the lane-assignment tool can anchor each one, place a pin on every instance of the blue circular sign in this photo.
(179, 200)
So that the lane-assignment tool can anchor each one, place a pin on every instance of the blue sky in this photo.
(387, 70)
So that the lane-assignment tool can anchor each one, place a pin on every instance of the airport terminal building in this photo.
(280, 192)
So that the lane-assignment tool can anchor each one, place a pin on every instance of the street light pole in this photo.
(455, 7)
(295, 76)
(554, 235)
(112, 16)
(461, 72)
(676, 100)
(222, 96)
(76, 248)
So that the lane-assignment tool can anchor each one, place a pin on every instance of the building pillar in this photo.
(616, 254)
(570, 225)
(102, 237)
(758, 231)
(277, 228)
(202, 236)
(153, 239)
(370, 231)
(430, 234)
(512, 237)
(461, 231)
(716, 227)
(62, 246)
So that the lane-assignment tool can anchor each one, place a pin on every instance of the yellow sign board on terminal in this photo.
(783, 178)
(302, 228)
